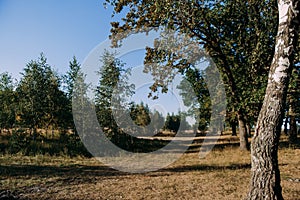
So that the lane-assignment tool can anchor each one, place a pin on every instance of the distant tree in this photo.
(201, 106)
(113, 76)
(150, 122)
(31, 91)
(140, 114)
(79, 101)
(8, 100)
(172, 122)
(73, 74)
(39, 96)
(293, 102)
(184, 124)
(56, 101)
(157, 121)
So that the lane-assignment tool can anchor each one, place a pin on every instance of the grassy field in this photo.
(223, 174)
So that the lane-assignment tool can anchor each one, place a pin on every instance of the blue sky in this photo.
(60, 29)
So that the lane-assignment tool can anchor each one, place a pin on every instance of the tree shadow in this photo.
(287, 145)
(61, 171)
(190, 168)
(75, 174)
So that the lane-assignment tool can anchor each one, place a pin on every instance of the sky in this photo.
(62, 29)
(59, 29)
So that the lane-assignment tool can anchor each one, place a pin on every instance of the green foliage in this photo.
(176, 121)
(157, 122)
(40, 97)
(71, 76)
(73, 81)
(65, 145)
(172, 123)
(201, 106)
(8, 101)
(140, 114)
(112, 77)
(238, 35)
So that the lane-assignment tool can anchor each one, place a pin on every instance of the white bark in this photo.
(265, 180)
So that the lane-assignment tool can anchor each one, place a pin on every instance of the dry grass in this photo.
(223, 174)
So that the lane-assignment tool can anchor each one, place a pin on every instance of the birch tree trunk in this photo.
(265, 180)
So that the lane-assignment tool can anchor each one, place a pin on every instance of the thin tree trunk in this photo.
(244, 144)
(248, 127)
(293, 125)
(286, 123)
(233, 129)
(265, 179)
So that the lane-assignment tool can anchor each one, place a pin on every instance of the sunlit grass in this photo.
(222, 174)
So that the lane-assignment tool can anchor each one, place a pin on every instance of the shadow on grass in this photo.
(287, 144)
(88, 174)
(77, 173)
(61, 171)
(60, 176)
(206, 168)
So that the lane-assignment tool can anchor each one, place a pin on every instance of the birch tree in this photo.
(265, 180)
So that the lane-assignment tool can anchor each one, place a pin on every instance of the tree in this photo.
(39, 96)
(172, 123)
(157, 122)
(140, 114)
(265, 179)
(31, 91)
(73, 74)
(70, 77)
(202, 104)
(78, 95)
(237, 35)
(113, 77)
(8, 101)
(293, 101)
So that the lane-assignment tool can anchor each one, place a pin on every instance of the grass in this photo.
(222, 174)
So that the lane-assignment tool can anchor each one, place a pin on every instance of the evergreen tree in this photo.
(113, 76)
(39, 96)
(8, 101)
(140, 114)
(73, 74)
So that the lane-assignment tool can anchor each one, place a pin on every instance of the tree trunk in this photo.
(233, 129)
(293, 125)
(248, 127)
(244, 144)
(286, 123)
(265, 179)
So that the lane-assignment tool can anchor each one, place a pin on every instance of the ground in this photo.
(222, 174)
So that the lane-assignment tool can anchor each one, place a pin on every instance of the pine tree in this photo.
(8, 101)
(110, 107)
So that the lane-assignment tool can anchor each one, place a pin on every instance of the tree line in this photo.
(40, 103)
(42, 99)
